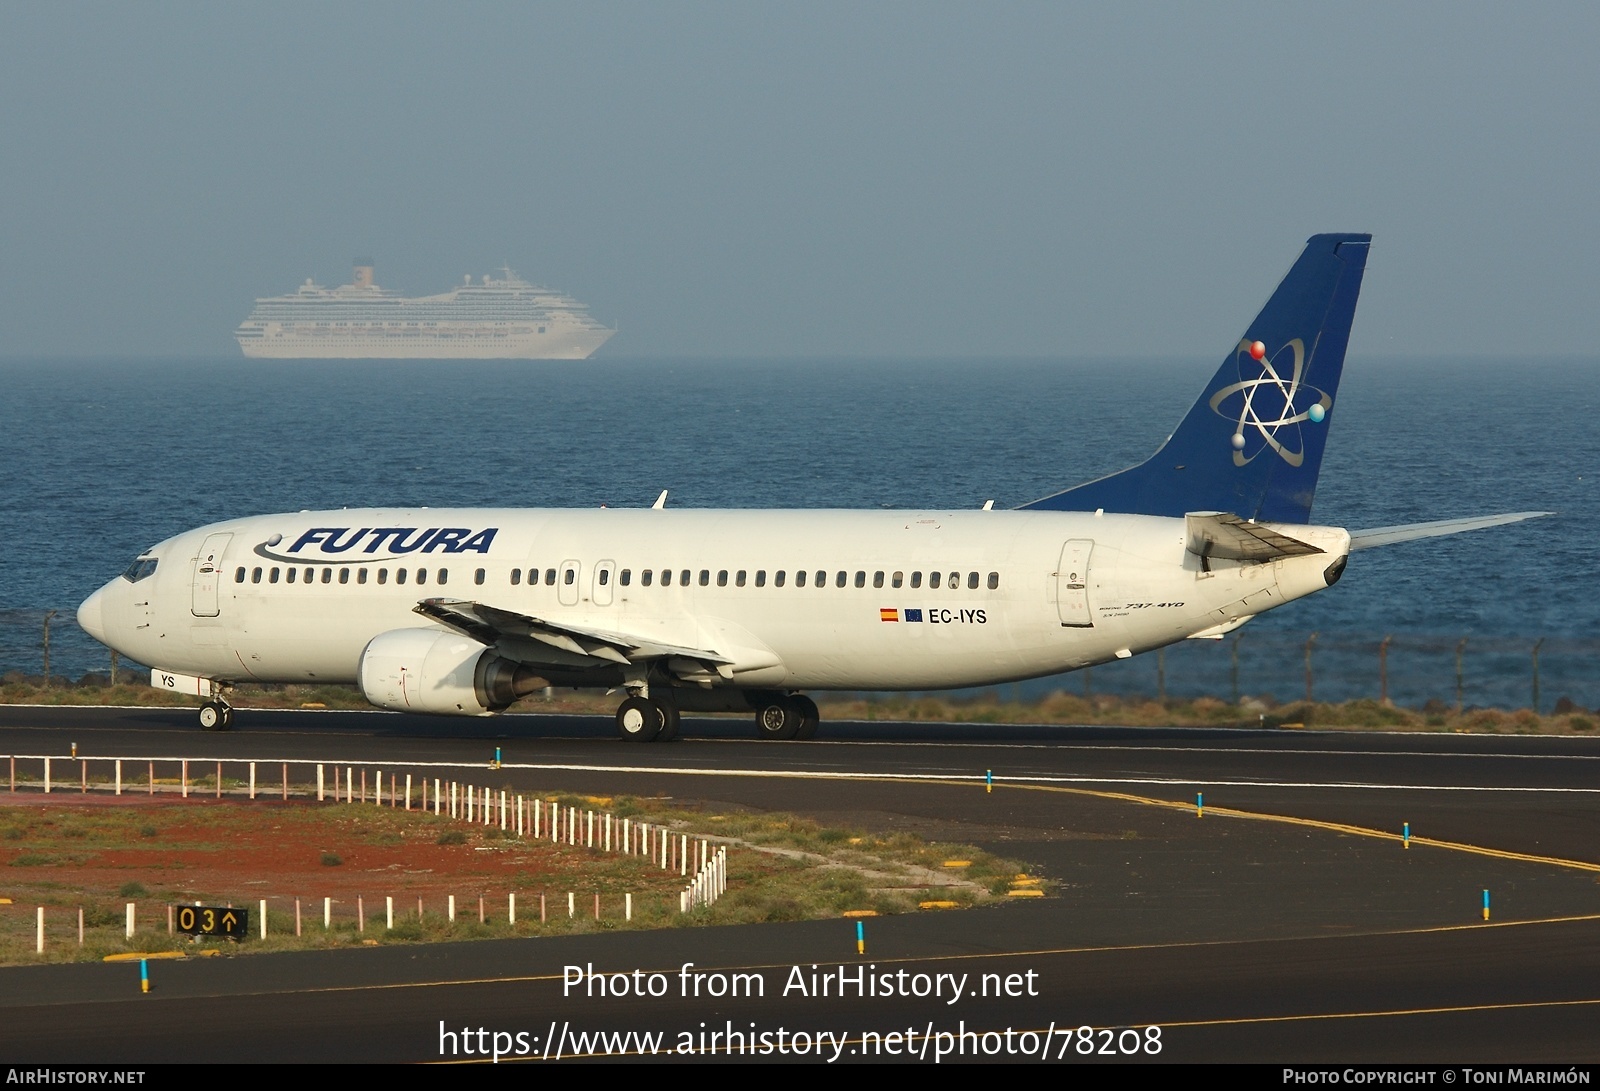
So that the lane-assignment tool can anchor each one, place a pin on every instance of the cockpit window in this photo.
(140, 569)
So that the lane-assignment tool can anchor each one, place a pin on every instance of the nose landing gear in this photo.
(216, 716)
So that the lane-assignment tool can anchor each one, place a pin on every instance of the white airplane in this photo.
(462, 611)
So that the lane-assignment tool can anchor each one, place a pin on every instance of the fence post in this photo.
(1311, 642)
(1460, 673)
(1383, 670)
(1536, 646)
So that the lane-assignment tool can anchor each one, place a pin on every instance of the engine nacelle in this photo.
(426, 670)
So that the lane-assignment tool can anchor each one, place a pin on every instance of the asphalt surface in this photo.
(1287, 924)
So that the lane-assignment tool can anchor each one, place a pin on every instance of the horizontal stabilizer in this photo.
(1382, 536)
(1228, 537)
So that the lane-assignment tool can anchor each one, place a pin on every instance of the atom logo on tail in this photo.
(1271, 402)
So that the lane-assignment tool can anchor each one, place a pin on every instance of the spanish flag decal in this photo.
(888, 614)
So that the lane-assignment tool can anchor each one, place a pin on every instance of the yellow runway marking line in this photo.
(523, 979)
(1316, 823)
(1461, 1009)
(135, 956)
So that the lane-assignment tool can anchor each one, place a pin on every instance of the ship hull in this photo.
(573, 345)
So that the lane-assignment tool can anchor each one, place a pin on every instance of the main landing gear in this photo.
(791, 717)
(640, 719)
(216, 716)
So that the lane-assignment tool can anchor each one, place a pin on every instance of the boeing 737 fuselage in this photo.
(462, 611)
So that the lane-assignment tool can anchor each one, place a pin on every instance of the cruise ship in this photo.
(495, 318)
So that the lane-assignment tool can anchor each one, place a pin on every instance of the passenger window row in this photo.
(685, 577)
(309, 575)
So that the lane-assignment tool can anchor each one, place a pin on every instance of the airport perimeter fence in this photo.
(1274, 666)
(700, 860)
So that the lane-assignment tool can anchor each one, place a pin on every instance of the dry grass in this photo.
(99, 856)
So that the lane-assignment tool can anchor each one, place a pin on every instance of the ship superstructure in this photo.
(502, 317)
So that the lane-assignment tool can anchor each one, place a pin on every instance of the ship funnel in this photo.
(363, 278)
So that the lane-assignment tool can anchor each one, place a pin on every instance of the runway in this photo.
(1287, 924)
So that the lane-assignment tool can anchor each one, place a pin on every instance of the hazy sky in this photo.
(770, 179)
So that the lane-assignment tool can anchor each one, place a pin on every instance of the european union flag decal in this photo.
(913, 615)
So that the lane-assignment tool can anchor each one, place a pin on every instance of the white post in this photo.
(519, 816)
(252, 780)
(184, 776)
(130, 920)
(627, 843)
(436, 795)
(537, 807)
(511, 908)
(39, 943)
(388, 905)
(377, 788)
(263, 918)
(349, 784)
(608, 833)
(320, 791)
(452, 907)
(572, 907)
(408, 791)
(47, 792)
(502, 810)
(627, 907)
(119, 776)
(683, 855)
(488, 806)
(327, 914)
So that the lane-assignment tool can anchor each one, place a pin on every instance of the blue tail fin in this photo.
(1252, 444)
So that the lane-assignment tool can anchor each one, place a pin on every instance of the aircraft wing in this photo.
(1382, 536)
(491, 625)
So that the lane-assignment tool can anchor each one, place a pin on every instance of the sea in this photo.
(100, 459)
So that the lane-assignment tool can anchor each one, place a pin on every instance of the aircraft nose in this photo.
(92, 615)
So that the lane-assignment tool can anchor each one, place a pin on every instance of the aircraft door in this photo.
(605, 574)
(208, 574)
(1072, 583)
(567, 583)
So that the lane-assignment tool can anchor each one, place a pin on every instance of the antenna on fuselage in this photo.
(661, 501)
